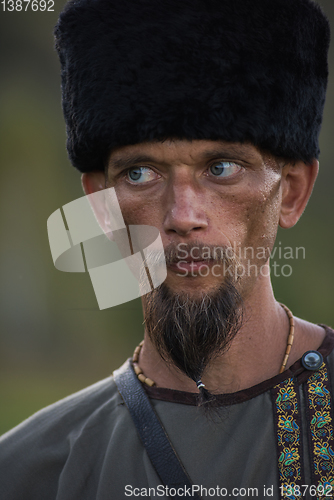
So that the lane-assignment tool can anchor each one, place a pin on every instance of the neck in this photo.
(255, 354)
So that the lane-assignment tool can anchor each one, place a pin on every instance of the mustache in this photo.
(196, 251)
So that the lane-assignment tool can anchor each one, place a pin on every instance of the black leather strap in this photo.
(151, 431)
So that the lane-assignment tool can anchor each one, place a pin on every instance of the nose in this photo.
(185, 210)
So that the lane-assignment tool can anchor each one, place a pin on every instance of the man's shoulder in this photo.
(36, 452)
(69, 412)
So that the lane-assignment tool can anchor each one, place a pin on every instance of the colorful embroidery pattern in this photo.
(321, 428)
(288, 437)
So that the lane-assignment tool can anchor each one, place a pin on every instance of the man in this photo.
(204, 117)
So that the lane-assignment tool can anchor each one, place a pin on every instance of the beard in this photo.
(191, 332)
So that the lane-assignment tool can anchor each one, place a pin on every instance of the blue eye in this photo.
(224, 169)
(135, 174)
(140, 175)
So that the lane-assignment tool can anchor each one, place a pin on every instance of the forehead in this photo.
(173, 151)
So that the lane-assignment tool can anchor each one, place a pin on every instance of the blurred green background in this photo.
(53, 338)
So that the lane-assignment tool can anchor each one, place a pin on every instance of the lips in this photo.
(190, 265)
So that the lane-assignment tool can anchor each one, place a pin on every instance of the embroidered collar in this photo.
(296, 370)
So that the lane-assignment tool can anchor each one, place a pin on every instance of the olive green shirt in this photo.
(86, 447)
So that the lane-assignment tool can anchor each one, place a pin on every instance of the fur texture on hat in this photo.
(234, 70)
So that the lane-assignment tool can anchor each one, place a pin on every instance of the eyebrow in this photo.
(220, 152)
(231, 152)
(129, 161)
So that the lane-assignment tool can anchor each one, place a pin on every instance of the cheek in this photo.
(262, 218)
(250, 218)
(137, 210)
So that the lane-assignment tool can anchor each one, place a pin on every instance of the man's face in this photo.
(202, 195)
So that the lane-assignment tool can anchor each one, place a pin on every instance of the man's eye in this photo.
(224, 169)
(139, 175)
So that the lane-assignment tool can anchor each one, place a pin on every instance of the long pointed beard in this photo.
(192, 332)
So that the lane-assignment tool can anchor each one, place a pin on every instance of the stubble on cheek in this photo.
(251, 221)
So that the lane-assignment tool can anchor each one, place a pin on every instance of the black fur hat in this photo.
(236, 70)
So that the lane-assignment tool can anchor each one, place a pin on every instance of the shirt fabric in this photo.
(86, 447)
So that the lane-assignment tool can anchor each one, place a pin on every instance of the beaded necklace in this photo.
(146, 380)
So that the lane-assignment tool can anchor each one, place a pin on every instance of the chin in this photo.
(192, 286)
